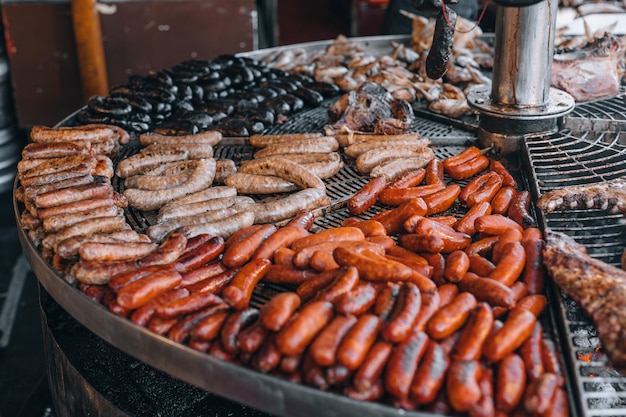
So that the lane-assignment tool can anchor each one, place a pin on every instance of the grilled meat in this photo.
(608, 195)
(371, 108)
(590, 72)
(598, 288)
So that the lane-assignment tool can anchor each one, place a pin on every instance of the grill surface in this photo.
(590, 148)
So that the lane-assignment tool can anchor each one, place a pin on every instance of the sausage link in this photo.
(559, 406)
(531, 353)
(510, 266)
(394, 219)
(201, 273)
(386, 300)
(372, 393)
(466, 224)
(487, 289)
(287, 274)
(323, 349)
(406, 309)
(309, 288)
(373, 365)
(358, 340)
(181, 330)
(480, 265)
(250, 339)
(481, 189)
(410, 178)
(282, 238)
(430, 304)
(203, 254)
(495, 224)
(441, 200)
(501, 202)
(357, 301)
(451, 317)
(398, 196)
(485, 407)
(304, 219)
(235, 323)
(214, 284)
(430, 375)
(507, 178)
(239, 292)
(511, 379)
(540, 393)
(300, 331)
(517, 328)
(209, 327)
(534, 274)
(241, 252)
(434, 172)
(138, 293)
(457, 264)
(366, 196)
(469, 168)
(519, 209)
(187, 305)
(277, 311)
(402, 364)
(462, 386)
(268, 357)
(479, 325)
(345, 282)
(551, 360)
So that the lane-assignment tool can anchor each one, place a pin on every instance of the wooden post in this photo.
(89, 48)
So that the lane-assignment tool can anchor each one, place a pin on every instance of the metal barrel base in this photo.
(89, 377)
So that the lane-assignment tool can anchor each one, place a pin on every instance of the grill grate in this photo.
(589, 149)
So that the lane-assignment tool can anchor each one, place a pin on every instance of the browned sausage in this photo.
(323, 349)
(511, 382)
(373, 365)
(479, 325)
(235, 323)
(462, 385)
(358, 341)
(138, 293)
(430, 375)
(366, 196)
(451, 317)
(300, 331)
(239, 253)
(402, 364)
(358, 300)
(531, 353)
(277, 311)
(239, 292)
(406, 309)
(517, 328)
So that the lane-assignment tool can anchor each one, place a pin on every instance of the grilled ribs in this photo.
(598, 288)
(608, 195)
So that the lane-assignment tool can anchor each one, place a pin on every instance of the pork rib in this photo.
(608, 195)
(598, 288)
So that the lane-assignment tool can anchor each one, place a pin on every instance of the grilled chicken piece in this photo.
(597, 287)
(608, 195)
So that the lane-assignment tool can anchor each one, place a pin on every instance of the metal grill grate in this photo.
(589, 149)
